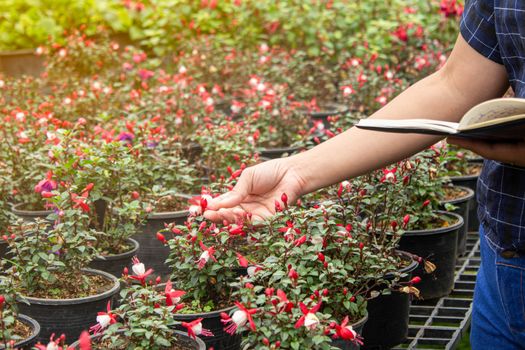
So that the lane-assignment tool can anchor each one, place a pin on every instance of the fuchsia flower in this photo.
(239, 319)
(173, 296)
(104, 320)
(84, 341)
(308, 319)
(195, 328)
(346, 332)
(54, 344)
(46, 185)
(139, 270)
(206, 255)
(389, 175)
(80, 201)
(243, 262)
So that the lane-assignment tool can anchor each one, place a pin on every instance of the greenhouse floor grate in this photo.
(440, 324)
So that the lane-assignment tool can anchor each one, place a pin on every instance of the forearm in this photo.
(439, 96)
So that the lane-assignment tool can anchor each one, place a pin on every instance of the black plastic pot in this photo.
(212, 321)
(191, 151)
(439, 247)
(21, 62)
(27, 344)
(327, 110)
(470, 181)
(68, 316)
(279, 152)
(347, 345)
(185, 342)
(29, 215)
(114, 264)
(462, 209)
(388, 316)
(151, 251)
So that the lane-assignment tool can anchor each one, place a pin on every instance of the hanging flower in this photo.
(206, 255)
(173, 297)
(139, 270)
(47, 185)
(308, 319)
(239, 319)
(104, 320)
(346, 332)
(195, 328)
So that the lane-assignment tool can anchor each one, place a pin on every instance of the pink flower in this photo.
(139, 270)
(104, 320)
(239, 319)
(47, 184)
(195, 328)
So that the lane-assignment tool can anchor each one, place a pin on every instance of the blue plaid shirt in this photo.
(496, 29)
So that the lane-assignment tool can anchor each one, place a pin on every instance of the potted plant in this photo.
(464, 167)
(49, 267)
(275, 118)
(145, 318)
(206, 259)
(112, 211)
(17, 331)
(316, 254)
(430, 234)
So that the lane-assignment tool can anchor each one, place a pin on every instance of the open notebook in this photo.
(501, 119)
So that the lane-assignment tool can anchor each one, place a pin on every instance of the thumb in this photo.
(232, 198)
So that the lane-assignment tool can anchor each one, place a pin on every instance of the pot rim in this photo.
(75, 301)
(438, 230)
(328, 109)
(16, 211)
(201, 345)
(465, 198)
(134, 249)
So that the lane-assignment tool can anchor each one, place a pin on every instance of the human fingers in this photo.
(236, 196)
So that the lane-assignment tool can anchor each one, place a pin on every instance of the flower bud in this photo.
(284, 199)
(135, 195)
(321, 257)
(415, 280)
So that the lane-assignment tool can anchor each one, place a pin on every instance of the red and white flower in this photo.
(104, 320)
(239, 319)
(139, 271)
(195, 328)
(205, 255)
(308, 319)
(346, 332)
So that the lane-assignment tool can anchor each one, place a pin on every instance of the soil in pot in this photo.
(437, 246)
(115, 263)
(388, 315)
(184, 343)
(470, 180)
(70, 313)
(151, 251)
(27, 330)
(29, 213)
(461, 198)
(348, 345)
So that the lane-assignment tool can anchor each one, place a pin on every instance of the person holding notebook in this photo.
(488, 57)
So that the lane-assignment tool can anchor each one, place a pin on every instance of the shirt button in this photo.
(509, 254)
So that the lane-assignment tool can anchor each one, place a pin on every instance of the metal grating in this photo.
(440, 324)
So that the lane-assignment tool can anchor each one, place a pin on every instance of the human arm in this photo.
(467, 78)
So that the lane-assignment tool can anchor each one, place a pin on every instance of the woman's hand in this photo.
(506, 152)
(256, 192)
